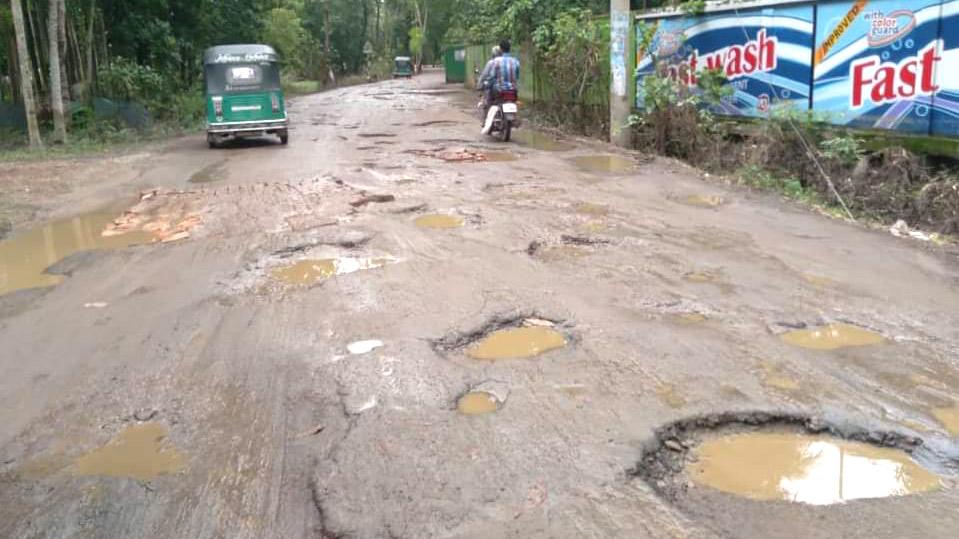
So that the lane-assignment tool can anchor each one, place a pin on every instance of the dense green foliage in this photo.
(149, 51)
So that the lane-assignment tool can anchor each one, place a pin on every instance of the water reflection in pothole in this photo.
(816, 470)
(24, 257)
(832, 337)
(137, 452)
(517, 343)
(477, 403)
(311, 271)
(439, 221)
(604, 163)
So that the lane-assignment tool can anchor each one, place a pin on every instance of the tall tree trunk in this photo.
(26, 75)
(376, 32)
(14, 69)
(56, 88)
(90, 74)
(38, 48)
(64, 50)
(73, 44)
(328, 30)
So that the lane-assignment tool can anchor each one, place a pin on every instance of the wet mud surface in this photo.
(384, 330)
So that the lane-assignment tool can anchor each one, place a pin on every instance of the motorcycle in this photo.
(502, 116)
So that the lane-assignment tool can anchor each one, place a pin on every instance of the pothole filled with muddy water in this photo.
(606, 164)
(438, 221)
(519, 343)
(477, 403)
(769, 457)
(312, 271)
(703, 201)
(511, 337)
(817, 470)
(541, 141)
(25, 256)
(832, 337)
(139, 452)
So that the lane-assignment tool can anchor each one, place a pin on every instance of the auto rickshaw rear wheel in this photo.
(284, 137)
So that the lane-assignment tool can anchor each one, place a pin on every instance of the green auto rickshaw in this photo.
(243, 93)
(403, 67)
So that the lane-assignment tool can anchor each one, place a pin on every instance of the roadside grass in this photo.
(89, 142)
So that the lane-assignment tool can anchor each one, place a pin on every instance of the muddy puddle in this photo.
(609, 164)
(139, 452)
(949, 418)
(832, 337)
(701, 277)
(24, 257)
(209, 174)
(439, 221)
(477, 403)
(818, 281)
(690, 319)
(541, 141)
(517, 343)
(311, 271)
(703, 201)
(588, 208)
(817, 470)
(500, 157)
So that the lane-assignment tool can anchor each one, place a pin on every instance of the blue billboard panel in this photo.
(763, 53)
(945, 105)
(876, 63)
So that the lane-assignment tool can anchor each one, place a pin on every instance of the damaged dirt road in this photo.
(392, 328)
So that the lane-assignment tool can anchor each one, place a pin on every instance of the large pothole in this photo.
(771, 475)
(514, 336)
(789, 458)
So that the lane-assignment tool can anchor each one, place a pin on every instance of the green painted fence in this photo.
(535, 84)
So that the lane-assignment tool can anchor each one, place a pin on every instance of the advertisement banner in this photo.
(764, 54)
(945, 109)
(878, 64)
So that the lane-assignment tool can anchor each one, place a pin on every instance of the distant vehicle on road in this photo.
(243, 93)
(402, 67)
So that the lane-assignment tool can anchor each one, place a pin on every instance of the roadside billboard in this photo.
(945, 115)
(876, 63)
(883, 64)
(763, 53)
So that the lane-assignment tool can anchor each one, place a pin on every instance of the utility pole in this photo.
(619, 106)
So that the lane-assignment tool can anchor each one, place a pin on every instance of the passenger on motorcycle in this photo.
(501, 76)
(486, 80)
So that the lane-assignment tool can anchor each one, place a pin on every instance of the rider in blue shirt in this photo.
(506, 70)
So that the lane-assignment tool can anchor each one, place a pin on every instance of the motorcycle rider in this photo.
(486, 82)
(503, 78)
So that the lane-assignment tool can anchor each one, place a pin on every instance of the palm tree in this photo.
(26, 75)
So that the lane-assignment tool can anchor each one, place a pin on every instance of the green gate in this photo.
(455, 61)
